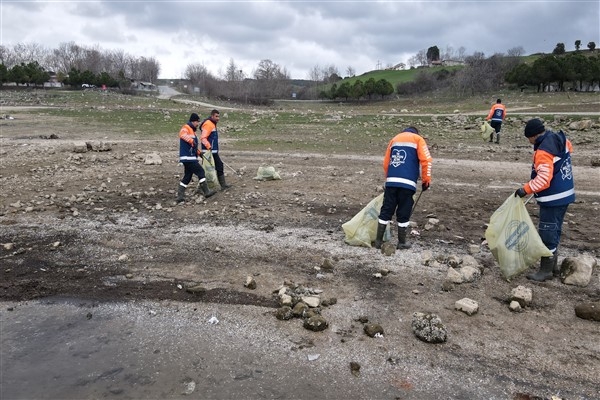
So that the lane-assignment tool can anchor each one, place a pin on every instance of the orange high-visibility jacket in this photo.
(405, 153)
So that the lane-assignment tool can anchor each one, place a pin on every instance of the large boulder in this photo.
(577, 271)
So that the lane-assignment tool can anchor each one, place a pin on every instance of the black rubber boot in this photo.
(222, 182)
(180, 193)
(498, 138)
(555, 267)
(379, 239)
(402, 239)
(545, 271)
(491, 137)
(206, 192)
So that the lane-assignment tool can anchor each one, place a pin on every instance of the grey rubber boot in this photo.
(379, 239)
(180, 193)
(222, 182)
(402, 239)
(206, 192)
(498, 138)
(545, 271)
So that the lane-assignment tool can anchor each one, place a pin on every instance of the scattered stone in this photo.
(300, 309)
(467, 306)
(284, 313)
(8, 246)
(316, 323)
(196, 289)
(313, 357)
(473, 249)
(523, 295)
(123, 258)
(98, 145)
(388, 249)
(590, 311)
(454, 276)
(384, 272)
(285, 299)
(153, 159)
(427, 257)
(327, 264)
(311, 301)
(80, 147)
(377, 275)
(250, 283)
(429, 328)
(470, 273)
(453, 260)
(355, 368)
(514, 306)
(373, 329)
(577, 271)
(447, 286)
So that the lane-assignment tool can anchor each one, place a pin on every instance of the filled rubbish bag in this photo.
(361, 230)
(513, 239)
(267, 173)
(486, 130)
(208, 164)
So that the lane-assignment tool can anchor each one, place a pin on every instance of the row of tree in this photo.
(583, 72)
(32, 74)
(71, 56)
(76, 65)
(358, 90)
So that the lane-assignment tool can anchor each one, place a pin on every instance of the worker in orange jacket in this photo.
(496, 116)
(188, 156)
(554, 189)
(407, 157)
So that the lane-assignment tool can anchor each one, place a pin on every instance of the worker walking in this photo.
(188, 156)
(407, 156)
(496, 116)
(210, 142)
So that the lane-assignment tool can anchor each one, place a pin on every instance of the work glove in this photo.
(520, 192)
(424, 186)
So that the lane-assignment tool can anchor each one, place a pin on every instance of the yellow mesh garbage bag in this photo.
(513, 239)
(361, 230)
(486, 130)
(208, 164)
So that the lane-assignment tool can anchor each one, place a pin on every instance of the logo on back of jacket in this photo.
(398, 157)
(566, 170)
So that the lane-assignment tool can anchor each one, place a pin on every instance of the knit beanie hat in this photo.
(194, 117)
(411, 129)
(533, 127)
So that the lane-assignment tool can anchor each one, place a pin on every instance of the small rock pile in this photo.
(297, 301)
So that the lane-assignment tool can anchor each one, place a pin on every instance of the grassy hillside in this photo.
(394, 77)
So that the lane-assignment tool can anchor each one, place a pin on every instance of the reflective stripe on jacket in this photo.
(497, 112)
(405, 153)
(552, 171)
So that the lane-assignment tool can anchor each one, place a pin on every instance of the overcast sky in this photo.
(299, 35)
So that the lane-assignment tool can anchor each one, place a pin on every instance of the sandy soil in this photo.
(97, 258)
